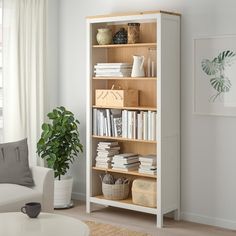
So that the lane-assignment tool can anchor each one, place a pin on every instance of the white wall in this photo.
(208, 160)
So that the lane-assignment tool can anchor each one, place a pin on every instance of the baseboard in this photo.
(78, 196)
(227, 224)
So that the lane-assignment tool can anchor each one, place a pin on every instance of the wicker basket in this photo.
(115, 191)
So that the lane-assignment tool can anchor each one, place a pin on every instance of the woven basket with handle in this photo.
(115, 191)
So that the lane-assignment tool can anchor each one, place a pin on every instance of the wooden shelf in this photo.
(125, 78)
(126, 45)
(127, 108)
(125, 204)
(123, 139)
(135, 173)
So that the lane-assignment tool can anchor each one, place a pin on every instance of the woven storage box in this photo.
(116, 98)
(115, 191)
(144, 192)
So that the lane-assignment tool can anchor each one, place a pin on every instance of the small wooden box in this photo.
(116, 98)
(144, 192)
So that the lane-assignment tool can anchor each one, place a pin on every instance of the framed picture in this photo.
(215, 75)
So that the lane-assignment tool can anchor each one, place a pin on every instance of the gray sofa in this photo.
(13, 196)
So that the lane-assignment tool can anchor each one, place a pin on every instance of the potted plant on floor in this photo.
(59, 145)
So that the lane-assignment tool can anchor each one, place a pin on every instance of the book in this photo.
(103, 165)
(153, 125)
(99, 65)
(124, 161)
(108, 122)
(140, 125)
(126, 169)
(134, 125)
(148, 164)
(113, 70)
(125, 155)
(149, 125)
(100, 148)
(145, 125)
(124, 124)
(129, 124)
(126, 165)
(150, 172)
(95, 122)
(102, 160)
(152, 167)
(108, 143)
(151, 158)
(118, 126)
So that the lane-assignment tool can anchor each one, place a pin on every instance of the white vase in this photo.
(62, 191)
(138, 68)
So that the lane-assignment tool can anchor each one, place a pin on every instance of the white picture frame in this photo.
(215, 75)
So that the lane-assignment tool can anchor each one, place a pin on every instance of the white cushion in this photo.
(13, 197)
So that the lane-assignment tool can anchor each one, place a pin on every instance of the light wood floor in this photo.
(143, 222)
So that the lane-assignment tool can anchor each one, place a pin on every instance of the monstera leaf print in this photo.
(215, 69)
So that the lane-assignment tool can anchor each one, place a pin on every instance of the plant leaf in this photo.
(221, 84)
(226, 58)
(210, 67)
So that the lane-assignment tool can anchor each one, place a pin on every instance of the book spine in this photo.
(95, 121)
(124, 124)
(130, 124)
(145, 126)
(140, 126)
(134, 115)
(154, 125)
(149, 125)
(112, 126)
(108, 122)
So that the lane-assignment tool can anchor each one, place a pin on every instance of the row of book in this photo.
(124, 123)
(112, 70)
(108, 156)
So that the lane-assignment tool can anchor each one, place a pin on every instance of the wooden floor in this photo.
(143, 222)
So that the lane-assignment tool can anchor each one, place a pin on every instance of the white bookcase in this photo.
(159, 30)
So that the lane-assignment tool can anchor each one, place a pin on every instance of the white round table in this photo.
(19, 224)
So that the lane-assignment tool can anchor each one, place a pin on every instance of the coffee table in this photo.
(18, 224)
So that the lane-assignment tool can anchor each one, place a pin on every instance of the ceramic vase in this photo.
(104, 36)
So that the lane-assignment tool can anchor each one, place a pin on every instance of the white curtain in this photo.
(24, 43)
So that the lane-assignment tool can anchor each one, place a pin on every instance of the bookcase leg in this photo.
(177, 214)
(88, 207)
(159, 221)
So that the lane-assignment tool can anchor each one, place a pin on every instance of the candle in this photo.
(153, 69)
(149, 67)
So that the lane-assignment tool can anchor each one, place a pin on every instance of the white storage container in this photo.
(144, 192)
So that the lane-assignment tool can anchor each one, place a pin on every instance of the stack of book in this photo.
(113, 69)
(148, 164)
(125, 162)
(105, 152)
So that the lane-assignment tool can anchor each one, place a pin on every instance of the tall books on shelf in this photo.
(112, 69)
(124, 123)
(105, 152)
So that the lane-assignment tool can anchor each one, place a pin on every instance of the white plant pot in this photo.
(62, 191)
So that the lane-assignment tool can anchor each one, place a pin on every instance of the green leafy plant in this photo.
(216, 70)
(59, 144)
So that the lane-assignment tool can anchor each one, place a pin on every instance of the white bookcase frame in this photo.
(168, 113)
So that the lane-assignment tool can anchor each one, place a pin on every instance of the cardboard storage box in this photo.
(144, 192)
(116, 98)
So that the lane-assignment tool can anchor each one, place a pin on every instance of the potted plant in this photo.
(59, 145)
